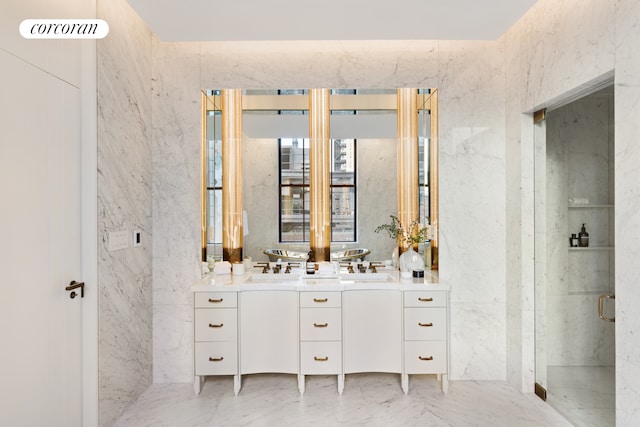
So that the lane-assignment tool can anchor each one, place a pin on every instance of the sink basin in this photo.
(285, 255)
(300, 256)
(271, 278)
(350, 254)
(365, 277)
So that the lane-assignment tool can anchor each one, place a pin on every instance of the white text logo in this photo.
(64, 28)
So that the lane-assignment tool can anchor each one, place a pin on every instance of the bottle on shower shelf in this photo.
(583, 237)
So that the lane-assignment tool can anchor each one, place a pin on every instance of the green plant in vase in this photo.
(408, 236)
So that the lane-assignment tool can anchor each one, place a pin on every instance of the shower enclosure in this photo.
(575, 284)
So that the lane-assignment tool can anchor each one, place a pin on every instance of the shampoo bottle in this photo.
(583, 237)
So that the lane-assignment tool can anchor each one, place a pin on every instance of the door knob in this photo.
(75, 285)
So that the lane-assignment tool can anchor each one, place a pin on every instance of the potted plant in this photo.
(407, 236)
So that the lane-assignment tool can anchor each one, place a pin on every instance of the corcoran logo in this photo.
(64, 28)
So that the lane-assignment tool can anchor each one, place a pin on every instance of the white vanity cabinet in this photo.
(425, 335)
(320, 336)
(215, 323)
(269, 331)
(372, 331)
(333, 328)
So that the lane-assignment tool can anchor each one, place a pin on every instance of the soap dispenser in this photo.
(583, 237)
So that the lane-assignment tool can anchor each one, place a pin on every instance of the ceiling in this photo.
(244, 20)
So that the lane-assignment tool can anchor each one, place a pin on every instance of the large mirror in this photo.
(275, 166)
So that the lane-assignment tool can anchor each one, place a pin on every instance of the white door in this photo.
(40, 360)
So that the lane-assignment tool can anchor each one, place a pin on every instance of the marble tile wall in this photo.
(470, 78)
(627, 196)
(556, 50)
(176, 206)
(472, 182)
(124, 203)
(553, 51)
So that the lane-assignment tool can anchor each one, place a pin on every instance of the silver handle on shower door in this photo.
(601, 307)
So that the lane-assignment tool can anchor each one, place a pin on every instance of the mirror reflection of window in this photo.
(275, 124)
(214, 186)
(294, 190)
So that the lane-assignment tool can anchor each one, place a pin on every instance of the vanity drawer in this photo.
(425, 324)
(215, 299)
(320, 358)
(216, 325)
(425, 299)
(216, 358)
(321, 299)
(425, 357)
(320, 324)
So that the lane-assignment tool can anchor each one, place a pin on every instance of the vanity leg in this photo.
(340, 383)
(197, 384)
(301, 384)
(445, 383)
(439, 378)
(405, 382)
(237, 384)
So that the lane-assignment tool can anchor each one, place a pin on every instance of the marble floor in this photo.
(586, 395)
(368, 399)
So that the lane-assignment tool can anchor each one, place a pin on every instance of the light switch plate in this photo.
(118, 240)
(137, 238)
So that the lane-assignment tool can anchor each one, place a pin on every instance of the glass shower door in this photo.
(575, 281)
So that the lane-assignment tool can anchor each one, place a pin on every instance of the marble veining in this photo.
(368, 399)
(470, 122)
(551, 51)
(124, 203)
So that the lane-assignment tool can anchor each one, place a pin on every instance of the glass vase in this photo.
(410, 261)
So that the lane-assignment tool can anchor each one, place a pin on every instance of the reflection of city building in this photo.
(294, 186)
(294, 190)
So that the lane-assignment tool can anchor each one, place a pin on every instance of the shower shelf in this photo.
(590, 206)
(593, 248)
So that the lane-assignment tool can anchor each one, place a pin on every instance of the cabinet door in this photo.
(268, 332)
(372, 322)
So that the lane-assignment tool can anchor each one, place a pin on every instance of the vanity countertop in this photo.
(387, 278)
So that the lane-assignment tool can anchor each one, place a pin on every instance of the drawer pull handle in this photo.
(321, 359)
(320, 299)
(425, 358)
(215, 300)
(425, 299)
(216, 359)
(320, 325)
(211, 325)
(425, 324)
